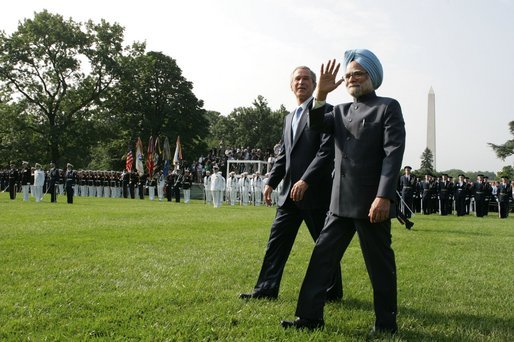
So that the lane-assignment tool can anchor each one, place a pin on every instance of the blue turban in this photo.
(368, 61)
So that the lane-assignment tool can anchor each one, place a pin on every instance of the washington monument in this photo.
(431, 125)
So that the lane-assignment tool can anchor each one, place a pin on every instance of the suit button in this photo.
(350, 119)
(347, 138)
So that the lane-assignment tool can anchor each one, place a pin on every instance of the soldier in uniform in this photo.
(177, 184)
(39, 181)
(217, 187)
(461, 188)
(488, 195)
(479, 192)
(70, 178)
(54, 177)
(13, 178)
(428, 188)
(207, 187)
(469, 194)
(444, 188)
(25, 180)
(232, 188)
(407, 186)
(187, 182)
(504, 197)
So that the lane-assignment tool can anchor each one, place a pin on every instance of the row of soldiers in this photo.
(245, 189)
(37, 182)
(443, 195)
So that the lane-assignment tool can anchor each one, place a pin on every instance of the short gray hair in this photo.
(313, 75)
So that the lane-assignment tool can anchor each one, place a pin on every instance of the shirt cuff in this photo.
(318, 104)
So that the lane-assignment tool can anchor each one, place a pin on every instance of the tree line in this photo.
(74, 92)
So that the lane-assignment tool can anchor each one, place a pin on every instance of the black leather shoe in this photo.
(257, 295)
(302, 323)
(409, 224)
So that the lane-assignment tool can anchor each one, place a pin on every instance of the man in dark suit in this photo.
(305, 164)
(369, 136)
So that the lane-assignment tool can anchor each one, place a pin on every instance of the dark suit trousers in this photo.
(282, 236)
(375, 241)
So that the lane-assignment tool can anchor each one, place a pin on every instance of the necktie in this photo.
(296, 119)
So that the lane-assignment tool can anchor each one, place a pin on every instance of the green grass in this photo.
(115, 269)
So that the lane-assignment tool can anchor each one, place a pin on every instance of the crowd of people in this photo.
(445, 196)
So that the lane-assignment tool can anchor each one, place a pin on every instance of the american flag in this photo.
(130, 161)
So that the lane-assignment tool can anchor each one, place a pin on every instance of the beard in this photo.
(357, 90)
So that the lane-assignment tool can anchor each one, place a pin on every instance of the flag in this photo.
(129, 161)
(157, 152)
(166, 156)
(150, 157)
(178, 153)
(139, 157)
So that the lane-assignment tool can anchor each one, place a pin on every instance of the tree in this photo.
(256, 127)
(154, 99)
(506, 171)
(59, 71)
(506, 149)
(427, 158)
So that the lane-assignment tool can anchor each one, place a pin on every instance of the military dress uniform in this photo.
(504, 197)
(460, 193)
(407, 187)
(70, 178)
(444, 189)
(54, 177)
(13, 178)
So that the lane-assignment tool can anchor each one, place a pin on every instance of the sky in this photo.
(235, 50)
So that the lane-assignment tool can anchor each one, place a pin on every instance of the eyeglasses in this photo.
(355, 74)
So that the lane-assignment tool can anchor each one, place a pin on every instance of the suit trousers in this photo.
(375, 241)
(284, 229)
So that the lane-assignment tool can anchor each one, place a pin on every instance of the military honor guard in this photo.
(504, 197)
(232, 188)
(460, 193)
(479, 191)
(407, 187)
(444, 189)
(207, 187)
(187, 182)
(70, 179)
(54, 176)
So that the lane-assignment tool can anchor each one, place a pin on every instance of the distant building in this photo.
(431, 142)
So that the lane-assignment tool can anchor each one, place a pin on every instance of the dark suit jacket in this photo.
(369, 136)
(309, 157)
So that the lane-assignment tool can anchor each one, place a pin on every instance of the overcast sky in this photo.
(235, 50)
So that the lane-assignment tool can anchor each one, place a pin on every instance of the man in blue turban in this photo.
(369, 137)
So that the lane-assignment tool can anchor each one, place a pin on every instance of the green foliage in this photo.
(60, 70)
(506, 171)
(427, 160)
(116, 269)
(152, 98)
(256, 126)
(507, 149)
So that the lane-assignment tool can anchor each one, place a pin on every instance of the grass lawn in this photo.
(116, 269)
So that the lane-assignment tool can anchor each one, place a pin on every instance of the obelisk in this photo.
(431, 125)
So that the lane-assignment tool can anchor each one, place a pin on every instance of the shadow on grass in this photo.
(422, 230)
(419, 325)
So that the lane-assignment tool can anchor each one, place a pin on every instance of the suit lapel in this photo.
(301, 124)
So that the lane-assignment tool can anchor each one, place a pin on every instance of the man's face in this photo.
(357, 80)
(302, 85)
